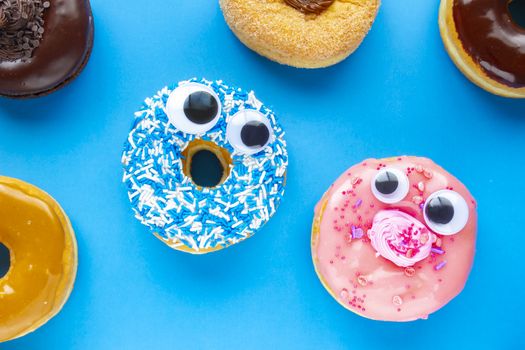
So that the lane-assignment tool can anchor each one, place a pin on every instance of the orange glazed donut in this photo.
(38, 258)
(486, 43)
(301, 33)
(394, 239)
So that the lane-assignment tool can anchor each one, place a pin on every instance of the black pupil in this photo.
(5, 260)
(255, 134)
(201, 107)
(206, 169)
(386, 183)
(440, 210)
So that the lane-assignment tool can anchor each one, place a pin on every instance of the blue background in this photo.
(398, 94)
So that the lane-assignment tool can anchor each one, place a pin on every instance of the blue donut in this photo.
(209, 123)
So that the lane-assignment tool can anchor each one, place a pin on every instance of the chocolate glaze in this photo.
(63, 51)
(21, 27)
(492, 39)
(310, 6)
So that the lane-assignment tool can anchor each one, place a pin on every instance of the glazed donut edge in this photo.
(69, 257)
(468, 67)
(315, 233)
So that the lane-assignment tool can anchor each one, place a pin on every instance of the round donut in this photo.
(486, 44)
(38, 258)
(204, 165)
(48, 55)
(394, 239)
(301, 33)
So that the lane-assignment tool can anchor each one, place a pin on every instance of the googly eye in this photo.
(446, 212)
(249, 131)
(390, 185)
(193, 108)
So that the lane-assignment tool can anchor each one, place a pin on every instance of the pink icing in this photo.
(376, 287)
(400, 238)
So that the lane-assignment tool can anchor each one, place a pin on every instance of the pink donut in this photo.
(394, 239)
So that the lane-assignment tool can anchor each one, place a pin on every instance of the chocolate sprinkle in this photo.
(21, 28)
(310, 6)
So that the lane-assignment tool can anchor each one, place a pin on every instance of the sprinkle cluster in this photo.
(169, 203)
(21, 28)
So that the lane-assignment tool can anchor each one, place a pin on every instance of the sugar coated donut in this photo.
(394, 239)
(486, 43)
(301, 33)
(44, 44)
(204, 165)
(38, 258)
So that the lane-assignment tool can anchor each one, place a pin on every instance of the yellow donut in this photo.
(301, 33)
(492, 59)
(42, 256)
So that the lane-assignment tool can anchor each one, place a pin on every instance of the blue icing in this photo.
(170, 204)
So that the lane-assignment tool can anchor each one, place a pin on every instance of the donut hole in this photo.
(206, 164)
(517, 12)
(5, 260)
(206, 169)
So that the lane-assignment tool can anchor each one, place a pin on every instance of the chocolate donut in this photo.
(486, 42)
(44, 44)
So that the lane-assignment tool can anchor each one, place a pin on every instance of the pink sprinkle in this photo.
(440, 265)
(362, 280)
(410, 271)
(397, 300)
(344, 294)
